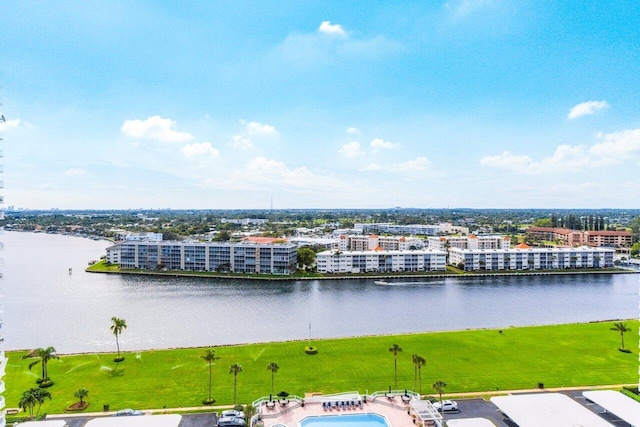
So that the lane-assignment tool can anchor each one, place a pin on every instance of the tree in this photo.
(306, 257)
(28, 401)
(418, 363)
(622, 328)
(210, 356)
(273, 367)
(235, 369)
(41, 395)
(439, 386)
(117, 327)
(43, 355)
(81, 393)
(395, 349)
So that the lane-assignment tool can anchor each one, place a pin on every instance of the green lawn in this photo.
(478, 360)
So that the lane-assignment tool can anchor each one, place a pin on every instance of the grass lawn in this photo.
(477, 360)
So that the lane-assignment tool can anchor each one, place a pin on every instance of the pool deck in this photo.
(393, 409)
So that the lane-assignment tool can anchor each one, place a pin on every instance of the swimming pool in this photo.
(351, 420)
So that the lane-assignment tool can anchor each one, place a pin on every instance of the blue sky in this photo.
(360, 104)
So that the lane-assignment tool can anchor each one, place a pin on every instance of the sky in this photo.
(320, 104)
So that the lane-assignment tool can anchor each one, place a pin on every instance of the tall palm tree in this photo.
(395, 349)
(439, 386)
(210, 356)
(41, 395)
(273, 367)
(622, 328)
(28, 401)
(117, 327)
(43, 355)
(235, 369)
(418, 363)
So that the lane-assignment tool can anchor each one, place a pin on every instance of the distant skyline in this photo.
(232, 104)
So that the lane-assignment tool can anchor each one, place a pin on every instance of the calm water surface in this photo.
(45, 305)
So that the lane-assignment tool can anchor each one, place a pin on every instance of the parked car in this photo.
(127, 412)
(231, 422)
(447, 405)
(233, 413)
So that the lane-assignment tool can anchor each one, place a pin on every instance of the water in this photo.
(45, 305)
(351, 420)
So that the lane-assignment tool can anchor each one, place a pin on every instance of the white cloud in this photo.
(418, 164)
(373, 167)
(200, 149)
(351, 149)
(615, 148)
(353, 131)
(9, 124)
(587, 108)
(74, 172)
(333, 29)
(462, 8)
(256, 128)
(261, 173)
(242, 142)
(379, 144)
(618, 146)
(155, 128)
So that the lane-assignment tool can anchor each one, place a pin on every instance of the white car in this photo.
(447, 405)
(233, 413)
(231, 422)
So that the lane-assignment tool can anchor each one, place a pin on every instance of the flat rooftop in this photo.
(547, 409)
(165, 420)
(617, 403)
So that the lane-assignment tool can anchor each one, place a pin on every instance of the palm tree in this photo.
(81, 393)
(395, 349)
(439, 387)
(235, 369)
(117, 327)
(273, 367)
(210, 356)
(40, 396)
(622, 328)
(43, 355)
(28, 401)
(418, 363)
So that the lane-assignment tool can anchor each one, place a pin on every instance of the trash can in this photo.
(540, 385)
(105, 408)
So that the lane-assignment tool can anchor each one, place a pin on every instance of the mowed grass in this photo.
(474, 360)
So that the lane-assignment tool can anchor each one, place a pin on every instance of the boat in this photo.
(381, 282)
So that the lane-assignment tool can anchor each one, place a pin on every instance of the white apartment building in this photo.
(470, 242)
(524, 257)
(387, 227)
(380, 260)
(373, 241)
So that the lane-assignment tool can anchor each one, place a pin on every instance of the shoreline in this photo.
(359, 276)
(337, 338)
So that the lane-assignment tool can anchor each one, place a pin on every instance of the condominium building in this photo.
(386, 227)
(3, 358)
(380, 260)
(243, 257)
(373, 241)
(524, 257)
(470, 242)
(611, 239)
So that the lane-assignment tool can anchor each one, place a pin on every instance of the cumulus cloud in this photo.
(418, 164)
(74, 172)
(379, 144)
(200, 149)
(155, 128)
(242, 142)
(615, 148)
(326, 27)
(263, 173)
(351, 149)
(257, 128)
(9, 124)
(353, 131)
(587, 108)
